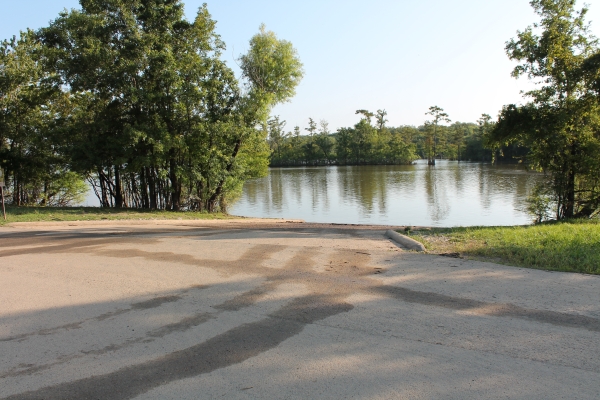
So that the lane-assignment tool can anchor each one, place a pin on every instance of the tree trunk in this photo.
(118, 189)
(16, 191)
(151, 187)
(134, 194)
(569, 206)
(215, 198)
(144, 189)
(103, 188)
(175, 184)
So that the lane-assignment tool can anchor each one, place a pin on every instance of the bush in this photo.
(539, 203)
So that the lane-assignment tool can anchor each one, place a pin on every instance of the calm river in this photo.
(449, 194)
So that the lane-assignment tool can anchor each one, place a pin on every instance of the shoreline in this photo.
(565, 246)
(246, 222)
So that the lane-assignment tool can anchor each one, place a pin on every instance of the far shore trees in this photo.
(372, 142)
(439, 116)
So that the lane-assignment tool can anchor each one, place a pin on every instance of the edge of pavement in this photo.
(405, 241)
(388, 231)
(231, 222)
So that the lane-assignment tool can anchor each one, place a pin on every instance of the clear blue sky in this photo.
(398, 55)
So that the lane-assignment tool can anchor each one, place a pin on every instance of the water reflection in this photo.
(449, 194)
(437, 186)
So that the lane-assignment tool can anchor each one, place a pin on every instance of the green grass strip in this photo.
(41, 214)
(572, 246)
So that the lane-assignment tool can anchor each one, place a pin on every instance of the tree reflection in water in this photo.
(449, 194)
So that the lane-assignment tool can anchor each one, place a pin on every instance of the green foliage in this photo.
(276, 137)
(560, 124)
(539, 203)
(325, 142)
(31, 109)
(134, 97)
(570, 246)
(65, 189)
(432, 127)
(365, 143)
(272, 67)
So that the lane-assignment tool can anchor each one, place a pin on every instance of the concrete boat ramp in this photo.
(251, 309)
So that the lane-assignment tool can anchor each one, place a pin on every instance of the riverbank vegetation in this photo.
(371, 142)
(560, 123)
(137, 100)
(569, 246)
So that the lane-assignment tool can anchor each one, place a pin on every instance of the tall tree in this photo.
(363, 137)
(439, 116)
(160, 121)
(272, 70)
(560, 122)
(324, 141)
(32, 109)
(310, 147)
(276, 135)
(380, 117)
(312, 127)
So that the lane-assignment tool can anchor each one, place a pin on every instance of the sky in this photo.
(402, 56)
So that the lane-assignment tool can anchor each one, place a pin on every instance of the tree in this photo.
(439, 116)
(32, 110)
(312, 127)
(459, 130)
(344, 141)
(380, 117)
(117, 61)
(276, 135)
(310, 148)
(560, 122)
(383, 137)
(158, 119)
(363, 133)
(272, 69)
(323, 140)
(367, 115)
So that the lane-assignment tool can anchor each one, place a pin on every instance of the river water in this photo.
(448, 194)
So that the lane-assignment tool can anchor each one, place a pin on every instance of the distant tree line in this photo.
(370, 141)
(135, 99)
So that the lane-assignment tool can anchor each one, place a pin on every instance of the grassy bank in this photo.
(39, 214)
(572, 246)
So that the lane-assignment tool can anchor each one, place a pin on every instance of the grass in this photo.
(571, 246)
(38, 214)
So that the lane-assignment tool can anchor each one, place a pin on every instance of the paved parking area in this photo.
(261, 310)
